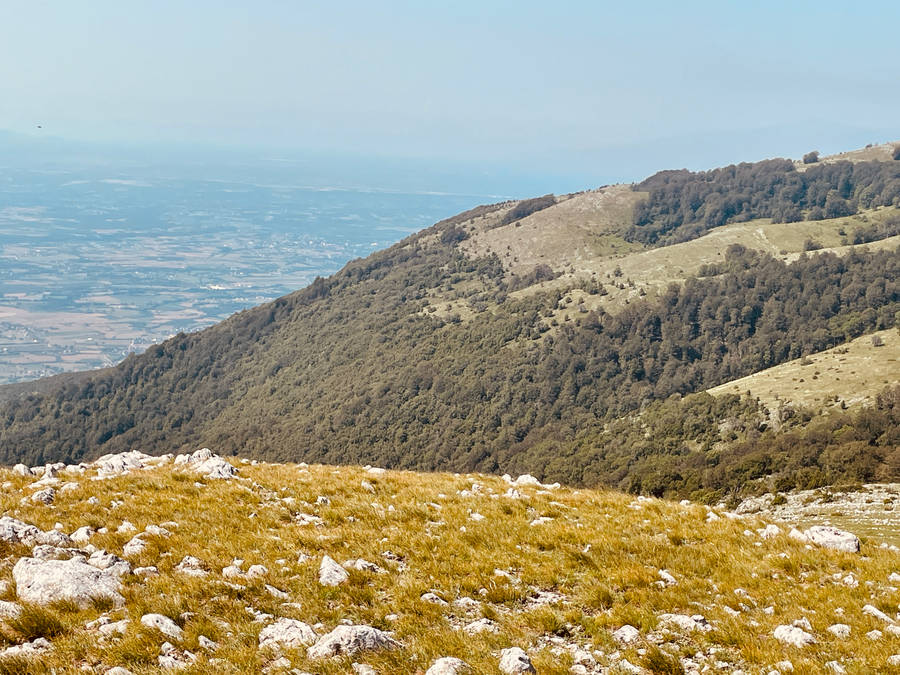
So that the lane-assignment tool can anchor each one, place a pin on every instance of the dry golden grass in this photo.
(851, 374)
(601, 552)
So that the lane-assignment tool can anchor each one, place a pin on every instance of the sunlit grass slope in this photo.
(555, 570)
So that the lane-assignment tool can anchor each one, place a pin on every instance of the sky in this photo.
(591, 91)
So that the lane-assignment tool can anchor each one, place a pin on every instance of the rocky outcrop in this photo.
(832, 537)
(286, 634)
(43, 582)
(351, 640)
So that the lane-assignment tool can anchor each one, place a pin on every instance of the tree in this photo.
(896, 153)
(811, 157)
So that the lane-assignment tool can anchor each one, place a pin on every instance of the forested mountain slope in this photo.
(442, 352)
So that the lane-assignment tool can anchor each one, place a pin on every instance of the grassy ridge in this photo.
(596, 557)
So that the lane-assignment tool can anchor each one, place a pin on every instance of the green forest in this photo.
(359, 368)
(682, 205)
(351, 370)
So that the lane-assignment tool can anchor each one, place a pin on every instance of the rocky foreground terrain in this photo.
(139, 564)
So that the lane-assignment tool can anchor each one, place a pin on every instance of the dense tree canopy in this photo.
(354, 369)
(683, 205)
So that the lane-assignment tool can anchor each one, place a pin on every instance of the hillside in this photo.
(851, 374)
(145, 565)
(514, 336)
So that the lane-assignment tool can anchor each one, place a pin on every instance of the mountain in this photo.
(566, 336)
(190, 563)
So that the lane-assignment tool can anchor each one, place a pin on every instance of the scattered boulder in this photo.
(26, 650)
(134, 547)
(514, 661)
(45, 496)
(331, 574)
(14, 531)
(191, 566)
(449, 665)
(840, 630)
(44, 582)
(163, 624)
(114, 628)
(287, 634)
(350, 640)
(871, 610)
(626, 634)
(483, 625)
(686, 623)
(82, 535)
(792, 635)
(832, 537)
(109, 466)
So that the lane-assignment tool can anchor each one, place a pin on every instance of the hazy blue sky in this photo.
(582, 88)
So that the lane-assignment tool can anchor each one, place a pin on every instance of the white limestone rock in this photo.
(134, 547)
(82, 535)
(164, 625)
(840, 630)
(44, 582)
(792, 635)
(871, 610)
(22, 470)
(685, 622)
(14, 531)
(113, 564)
(626, 634)
(286, 634)
(191, 566)
(109, 466)
(831, 537)
(449, 665)
(9, 610)
(363, 566)
(350, 640)
(514, 661)
(45, 496)
(114, 628)
(483, 625)
(257, 571)
(331, 574)
(26, 650)
(769, 532)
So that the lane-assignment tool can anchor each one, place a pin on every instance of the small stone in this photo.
(791, 635)
(483, 625)
(840, 630)
(626, 634)
(332, 574)
(514, 661)
(448, 665)
(163, 624)
(286, 633)
(877, 613)
(257, 571)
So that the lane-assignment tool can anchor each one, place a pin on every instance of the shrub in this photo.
(34, 622)
(896, 153)
(811, 157)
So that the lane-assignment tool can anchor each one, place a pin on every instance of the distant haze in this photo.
(580, 92)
